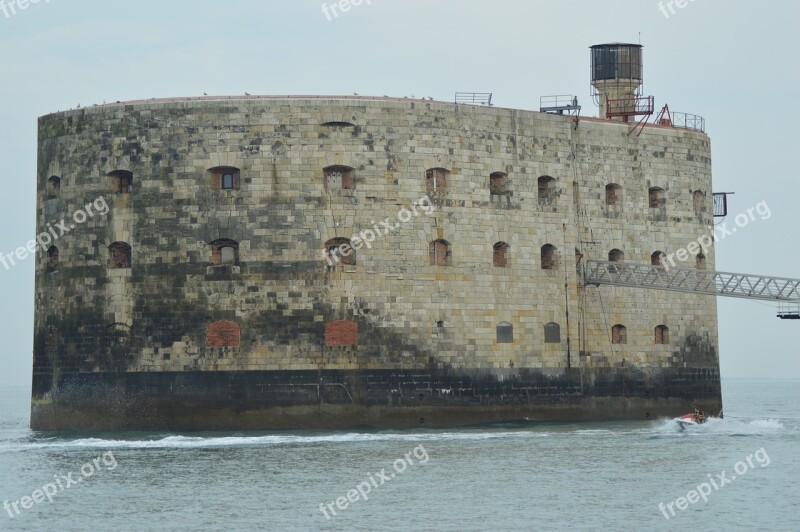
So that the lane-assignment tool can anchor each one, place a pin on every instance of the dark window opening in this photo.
(547, 189)
(119, 255)
(505, 333)
(52, 259)
(549, 257)
(657, 198)
(53, 186)
(338, 177)
(619, 334)
(439, 253)
(121, 181)
(699, 201)
(656, 259)
(436, 180)
(700, 262)
(497, 183)
(552, 333)
(225, 178)
(662, 335)
(500, 255)
(341, 251)
(613, 195)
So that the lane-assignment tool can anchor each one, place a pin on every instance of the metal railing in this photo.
(558, 103)
(474, 98)
(630, 106)
(689, 121)
(694, 281)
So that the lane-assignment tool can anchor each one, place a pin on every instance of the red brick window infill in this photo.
(341, 332)
(223, 334)
(225, 178)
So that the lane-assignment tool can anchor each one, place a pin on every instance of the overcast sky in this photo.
(732, 62)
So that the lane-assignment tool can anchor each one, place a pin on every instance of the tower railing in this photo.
(689, 121)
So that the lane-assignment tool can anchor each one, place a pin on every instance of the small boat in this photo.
(688, 420)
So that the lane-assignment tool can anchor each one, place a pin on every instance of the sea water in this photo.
(737, 473)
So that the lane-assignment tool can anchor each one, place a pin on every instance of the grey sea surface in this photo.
(737, 473)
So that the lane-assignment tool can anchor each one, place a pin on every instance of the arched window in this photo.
(505, 333)
(341, 332)
(119, 255)
(224, 251)
(121, 181)
(657, 198)
(119, 334)
(439, 253)
(619, 334)
(700, 262)
(223, 334)
(500, 255)
(699, 201)
(613, 194)
(552, 333)
(338, 177)
(549, 257)
(225, 178)
(656, 258)
(52, 259)
(497, 182)
(340, 250)
(662, 335)
(616, 255)
(436, 180)
(547, 189)
(53, 186)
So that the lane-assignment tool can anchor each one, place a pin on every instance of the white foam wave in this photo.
(728, 426)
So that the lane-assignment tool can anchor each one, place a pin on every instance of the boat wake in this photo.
(727, 426)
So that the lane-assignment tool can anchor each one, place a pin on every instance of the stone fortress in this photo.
(326, 262)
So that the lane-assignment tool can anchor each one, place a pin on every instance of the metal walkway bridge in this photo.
(713, 283)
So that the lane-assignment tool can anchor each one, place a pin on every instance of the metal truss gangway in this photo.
(704, 282)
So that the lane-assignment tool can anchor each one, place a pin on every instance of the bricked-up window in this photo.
(225, 178)
(436, 180)
(699, 201)
(505, 333)
(118, 334)
(656, 258)
(340, 251)
(224, 251)
(341, 332)
(223, 334)
(500, 255)
(338, 177)
(119, 255)
(658, 198)
(53, 186)
(613, 194)
(52, 259)
(121, 181)
(619, 334)
(497, 183)
(549, 257)
(547, 189)
(700, 262)
(439, 253)
(552, 333)
(615, 255)
(662, 335)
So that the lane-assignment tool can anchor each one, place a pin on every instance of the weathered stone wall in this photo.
(405, 313)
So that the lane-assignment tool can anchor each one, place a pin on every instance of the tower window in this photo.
(662, 335)
(224, 251)
(338, 177)
(658, 198)
(619, 334)
(340, 250)
(656, 258)
(52, 259)
(700, 262)
(552, 333)
(439, 253)
(436, 180)
(613, 195)
(223, 334)
(53, 186)
(699, 201)
(225, 178)
(500, 255)
(505, 333)
(547, 189)
(549, 257)
(497, 183)
(121, 181)
(615, 255)
(119, 255)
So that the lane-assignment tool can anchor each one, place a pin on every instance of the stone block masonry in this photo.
(208, 261)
